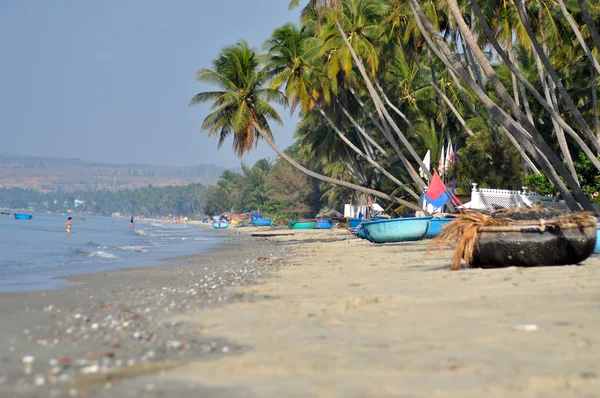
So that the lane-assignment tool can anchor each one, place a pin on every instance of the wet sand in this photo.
(315, 314)
(109, 327)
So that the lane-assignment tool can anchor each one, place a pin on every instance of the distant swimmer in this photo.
(131, 223)
(68, 224)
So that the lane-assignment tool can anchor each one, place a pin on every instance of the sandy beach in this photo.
(324, 315)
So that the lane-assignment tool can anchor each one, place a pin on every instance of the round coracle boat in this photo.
(520, 237)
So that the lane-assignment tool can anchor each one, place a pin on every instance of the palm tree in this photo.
(243, 109)
(287, 49)
(335, 12)
(532, 141)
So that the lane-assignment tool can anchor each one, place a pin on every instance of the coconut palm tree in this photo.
(522, 130)
(242, 109)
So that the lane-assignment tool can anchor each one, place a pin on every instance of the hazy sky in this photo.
(111, 80)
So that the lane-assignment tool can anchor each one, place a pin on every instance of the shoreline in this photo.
(316, 313)
(117, 321)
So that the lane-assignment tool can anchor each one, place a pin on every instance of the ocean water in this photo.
(35, 254)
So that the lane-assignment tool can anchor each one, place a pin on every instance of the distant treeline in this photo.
(150, 201)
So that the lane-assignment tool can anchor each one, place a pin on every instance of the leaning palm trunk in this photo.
(444, 97)
(388, 136)
(513, 78)
(595, 102)
(575, 29)
(547, 107)
(562, 141)
(379, 104)
(587, 18)
(362, 131)
(360, 153)
(330, 180)
(531, 131)
(560, 134)
(561, 88)
(393, 107)
(537, 143)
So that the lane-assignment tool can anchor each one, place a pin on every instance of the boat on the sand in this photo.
(221, 225)
(597, 247)
(396, 229)
(323, 223)
(262, 222)
(523, 238)
(435, 226)
(302, 223)
(23, 216)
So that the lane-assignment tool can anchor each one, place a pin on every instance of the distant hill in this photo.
(53, 174)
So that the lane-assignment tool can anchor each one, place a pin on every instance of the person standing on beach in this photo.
(131, 223)
(68, 224)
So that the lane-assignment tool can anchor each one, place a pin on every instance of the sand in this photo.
(354, 319)
(334, 316)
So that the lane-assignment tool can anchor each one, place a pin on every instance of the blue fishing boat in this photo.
(435, 226)
(360, 231)
(323, 223)
(597, 247)
(221, 225)
(397, 229)
(23, 216)
(261, 222)
(353, 223)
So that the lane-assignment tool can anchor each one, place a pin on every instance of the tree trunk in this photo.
(595, 101)
(587, 18)
(563, 92)
(526, 160)
(575, 29)
(388, 136)
(562, 141)
(444, 96)
(547, 107)
(359, 128)
(439, 98)
(513, 78)
(379, 104)
(360, 153)
(334, 181)
(573, 200)
(558, 131)
(394, 108)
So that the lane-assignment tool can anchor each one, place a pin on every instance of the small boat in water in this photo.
(397, 229)
(221, 225)
(435, 226)
(302, 223)
(5, 213)
(23, 216)
(262, 222)
(323, 223)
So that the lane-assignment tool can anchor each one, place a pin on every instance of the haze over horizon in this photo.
(111, 81)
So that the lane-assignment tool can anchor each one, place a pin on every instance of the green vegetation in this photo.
(278, 190)
(150, 201)
(377, 83)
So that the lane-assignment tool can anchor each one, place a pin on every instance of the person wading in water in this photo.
(68, 224)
